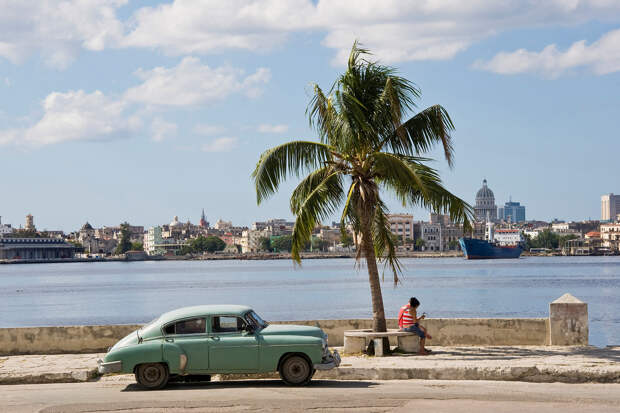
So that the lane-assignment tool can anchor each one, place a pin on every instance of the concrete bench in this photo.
(355, 341)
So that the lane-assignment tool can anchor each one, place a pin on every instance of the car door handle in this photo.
(214, 338)
(170, 340)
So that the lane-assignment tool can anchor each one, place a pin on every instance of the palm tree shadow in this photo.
(261, 384)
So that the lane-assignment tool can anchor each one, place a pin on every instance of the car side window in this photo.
(190, 326)
(227, 324)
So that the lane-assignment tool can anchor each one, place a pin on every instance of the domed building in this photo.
(485, 208)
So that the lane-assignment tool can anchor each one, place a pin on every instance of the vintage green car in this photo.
(196, 342)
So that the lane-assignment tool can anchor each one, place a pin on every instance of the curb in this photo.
(532, 374)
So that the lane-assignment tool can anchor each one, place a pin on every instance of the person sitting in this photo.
(409, 321)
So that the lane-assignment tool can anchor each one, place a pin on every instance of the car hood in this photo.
(289, 329)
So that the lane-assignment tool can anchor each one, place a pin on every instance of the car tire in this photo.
(152, 376)
(296, 370)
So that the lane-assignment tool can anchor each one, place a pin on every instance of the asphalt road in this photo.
(320, 396)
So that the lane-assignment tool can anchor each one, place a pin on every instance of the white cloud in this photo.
(57, 29)
(220, 145)
(267, 128)
(75, 116)
(192, 83)
(160, 129)
(208, 130)
(82, 116)
(601, 57)
(394, 30)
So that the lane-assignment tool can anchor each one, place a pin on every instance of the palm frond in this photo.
(292, 158)
(322, 200)
(421, 133)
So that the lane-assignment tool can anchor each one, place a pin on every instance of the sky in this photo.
(120, 110)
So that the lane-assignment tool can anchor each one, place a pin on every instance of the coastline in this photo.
(254, 257)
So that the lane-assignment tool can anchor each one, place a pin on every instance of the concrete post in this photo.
(568, 322)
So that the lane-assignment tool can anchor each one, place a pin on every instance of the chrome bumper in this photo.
(111, 367)
(330, 361)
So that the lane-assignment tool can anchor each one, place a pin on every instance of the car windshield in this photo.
(256, 320)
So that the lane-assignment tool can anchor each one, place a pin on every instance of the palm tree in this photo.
(365, 149)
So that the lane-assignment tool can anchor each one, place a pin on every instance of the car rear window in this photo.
(189, 326)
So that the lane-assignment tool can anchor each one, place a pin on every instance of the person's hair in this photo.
(414, 302)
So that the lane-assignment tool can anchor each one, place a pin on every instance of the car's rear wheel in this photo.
(295, 370)
(152, 376)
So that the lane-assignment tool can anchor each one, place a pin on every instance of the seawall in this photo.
(567, 325)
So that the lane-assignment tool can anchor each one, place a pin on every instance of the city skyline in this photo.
(125, 118)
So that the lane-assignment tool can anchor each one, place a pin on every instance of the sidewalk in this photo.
(530, 364)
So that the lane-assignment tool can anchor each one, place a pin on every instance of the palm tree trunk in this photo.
(378, 313)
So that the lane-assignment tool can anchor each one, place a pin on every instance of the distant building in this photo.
(29, 223)
(610, 207)
(431, 234)
(35, 249)
(512, 212)
(5, 229)
(276, 226)
(610, 236)
(485, 208)
(203, 220)
(402, 225)
(223, 225)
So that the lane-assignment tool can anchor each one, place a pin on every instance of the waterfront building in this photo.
(485, 208)
(35, 249)
(610, 236)
(250, 239)
(87, 236)
(610, 207)
(277, 226)
(154, 242)
(431, 234)
(5, 229)
(29, 223)
(402, 226)
(512, 212)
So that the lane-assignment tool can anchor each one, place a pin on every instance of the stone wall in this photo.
(445, 332)
(567, 325)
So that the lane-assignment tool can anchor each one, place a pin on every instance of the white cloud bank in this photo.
(395, 30)
(192, 83)
(57, 29)
(81, 116)
(601, 57)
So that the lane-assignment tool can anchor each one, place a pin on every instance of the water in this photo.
(119, 292)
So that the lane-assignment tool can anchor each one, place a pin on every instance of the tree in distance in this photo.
(137, 246)
(264, 244)
(202, 244)
(419, 244)
(124, 244)
(367, 148)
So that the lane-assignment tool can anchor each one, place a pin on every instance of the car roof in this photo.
(200, 310)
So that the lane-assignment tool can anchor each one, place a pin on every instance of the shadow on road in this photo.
(261, 384)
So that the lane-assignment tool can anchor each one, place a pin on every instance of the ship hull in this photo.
(477, 249)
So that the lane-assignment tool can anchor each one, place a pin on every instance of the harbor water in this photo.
(135, 292)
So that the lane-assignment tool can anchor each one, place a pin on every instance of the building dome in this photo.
(484, 192)
(175, 222)
(485, 208)
(87, 227)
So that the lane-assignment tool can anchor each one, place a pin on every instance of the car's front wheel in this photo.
(296, 370)
(152, 376)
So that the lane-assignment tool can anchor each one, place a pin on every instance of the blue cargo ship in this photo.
(478, 249)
